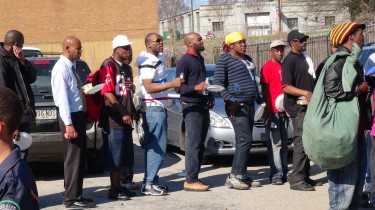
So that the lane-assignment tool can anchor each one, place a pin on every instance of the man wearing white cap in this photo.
(276, 119)
(118, 111)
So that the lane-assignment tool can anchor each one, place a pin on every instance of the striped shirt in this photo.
(145, 61)
(237, 78)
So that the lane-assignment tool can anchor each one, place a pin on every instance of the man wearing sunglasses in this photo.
(298, 85)
(154, 85)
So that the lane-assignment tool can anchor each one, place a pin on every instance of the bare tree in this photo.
(169, 10)
(356, 8)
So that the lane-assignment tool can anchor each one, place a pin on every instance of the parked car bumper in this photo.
(47, 146)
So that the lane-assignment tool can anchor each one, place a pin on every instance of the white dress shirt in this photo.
(65, 90)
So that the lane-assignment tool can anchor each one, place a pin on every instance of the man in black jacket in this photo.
(16, 73)
(346, 183)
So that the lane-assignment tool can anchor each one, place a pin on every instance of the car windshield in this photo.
(44, 69)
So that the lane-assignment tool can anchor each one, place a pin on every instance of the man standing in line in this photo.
(276, 120)
(298, 84)
(235, 71)
(119, 110)
(17, 74)
(346, 183)
(153, 80)
(195, 106)
(69, 98)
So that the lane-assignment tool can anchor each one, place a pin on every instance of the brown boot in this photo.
(196, 186)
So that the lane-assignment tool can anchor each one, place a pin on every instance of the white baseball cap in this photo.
(277, 43)
(121, 40)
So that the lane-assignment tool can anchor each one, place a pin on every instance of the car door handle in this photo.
(47, 96)
(43, 91)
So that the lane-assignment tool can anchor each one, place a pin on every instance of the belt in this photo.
(151, 103)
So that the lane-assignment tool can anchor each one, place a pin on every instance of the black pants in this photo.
(197, 121)
(301, 163)
(74, 158)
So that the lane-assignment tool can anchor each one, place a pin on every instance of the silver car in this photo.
(220, 138)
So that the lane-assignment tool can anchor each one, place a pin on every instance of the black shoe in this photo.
(313, 182)
(115, 195)
(127, 192)
(302, 186)
(277, 181)
(81, 204)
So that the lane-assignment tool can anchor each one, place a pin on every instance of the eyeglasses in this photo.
(300, 40)
(156, 40)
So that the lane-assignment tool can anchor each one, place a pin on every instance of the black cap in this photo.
(295, 34)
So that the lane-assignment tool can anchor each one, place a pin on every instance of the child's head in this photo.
(11, 111)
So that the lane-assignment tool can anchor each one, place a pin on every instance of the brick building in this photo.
(45, 23)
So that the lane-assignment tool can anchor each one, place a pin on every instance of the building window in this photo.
(292, 23)
(217, 26)
(329, 20)
(258, 24)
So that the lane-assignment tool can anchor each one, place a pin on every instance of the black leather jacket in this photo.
(333, 78)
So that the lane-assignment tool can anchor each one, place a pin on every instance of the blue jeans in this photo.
(368, 152)
(197, 121)
(277, 145)
(346, 183)
(119, 151)
(155, 143)
(243, 128)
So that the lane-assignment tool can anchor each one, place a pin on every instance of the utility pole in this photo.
(279, 13)
(192, 16)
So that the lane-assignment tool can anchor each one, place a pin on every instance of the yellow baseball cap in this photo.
(234, 37)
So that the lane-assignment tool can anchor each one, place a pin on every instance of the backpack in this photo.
(95, 101)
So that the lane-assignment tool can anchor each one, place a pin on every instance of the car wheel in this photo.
(95, 160)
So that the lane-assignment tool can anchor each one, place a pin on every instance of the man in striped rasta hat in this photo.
(346, 183)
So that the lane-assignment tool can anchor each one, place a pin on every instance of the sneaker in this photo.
(196, 186)
(277, 180)
(249, 181)
(238, 184)
(163, 187)
(127, 192)
(117, 195)
(313, 182)
(150, 189)
(302, 186)
(130, 185)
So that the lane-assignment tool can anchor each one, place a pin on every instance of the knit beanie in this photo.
(341, 31)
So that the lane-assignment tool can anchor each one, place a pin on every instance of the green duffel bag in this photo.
(330, 127)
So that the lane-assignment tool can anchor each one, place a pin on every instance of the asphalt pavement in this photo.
(268, 197)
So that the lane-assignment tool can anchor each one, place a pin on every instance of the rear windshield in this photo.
(44, 69)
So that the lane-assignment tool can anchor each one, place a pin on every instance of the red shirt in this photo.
(271, 75)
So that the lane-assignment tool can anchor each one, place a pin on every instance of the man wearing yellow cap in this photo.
(236, 72)
(346, 183)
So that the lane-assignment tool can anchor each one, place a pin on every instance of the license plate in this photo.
(46, 114)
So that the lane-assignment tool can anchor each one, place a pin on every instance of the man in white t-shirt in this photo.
(154, 87)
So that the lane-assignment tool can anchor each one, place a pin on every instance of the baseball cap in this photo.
(295, 34)
(276, 43)
(121, 40)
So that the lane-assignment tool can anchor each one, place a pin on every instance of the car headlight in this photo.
(218, 121)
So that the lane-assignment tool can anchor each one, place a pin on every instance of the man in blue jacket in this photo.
(17, 187)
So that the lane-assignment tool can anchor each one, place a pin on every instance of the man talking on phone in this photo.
(16, 73)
